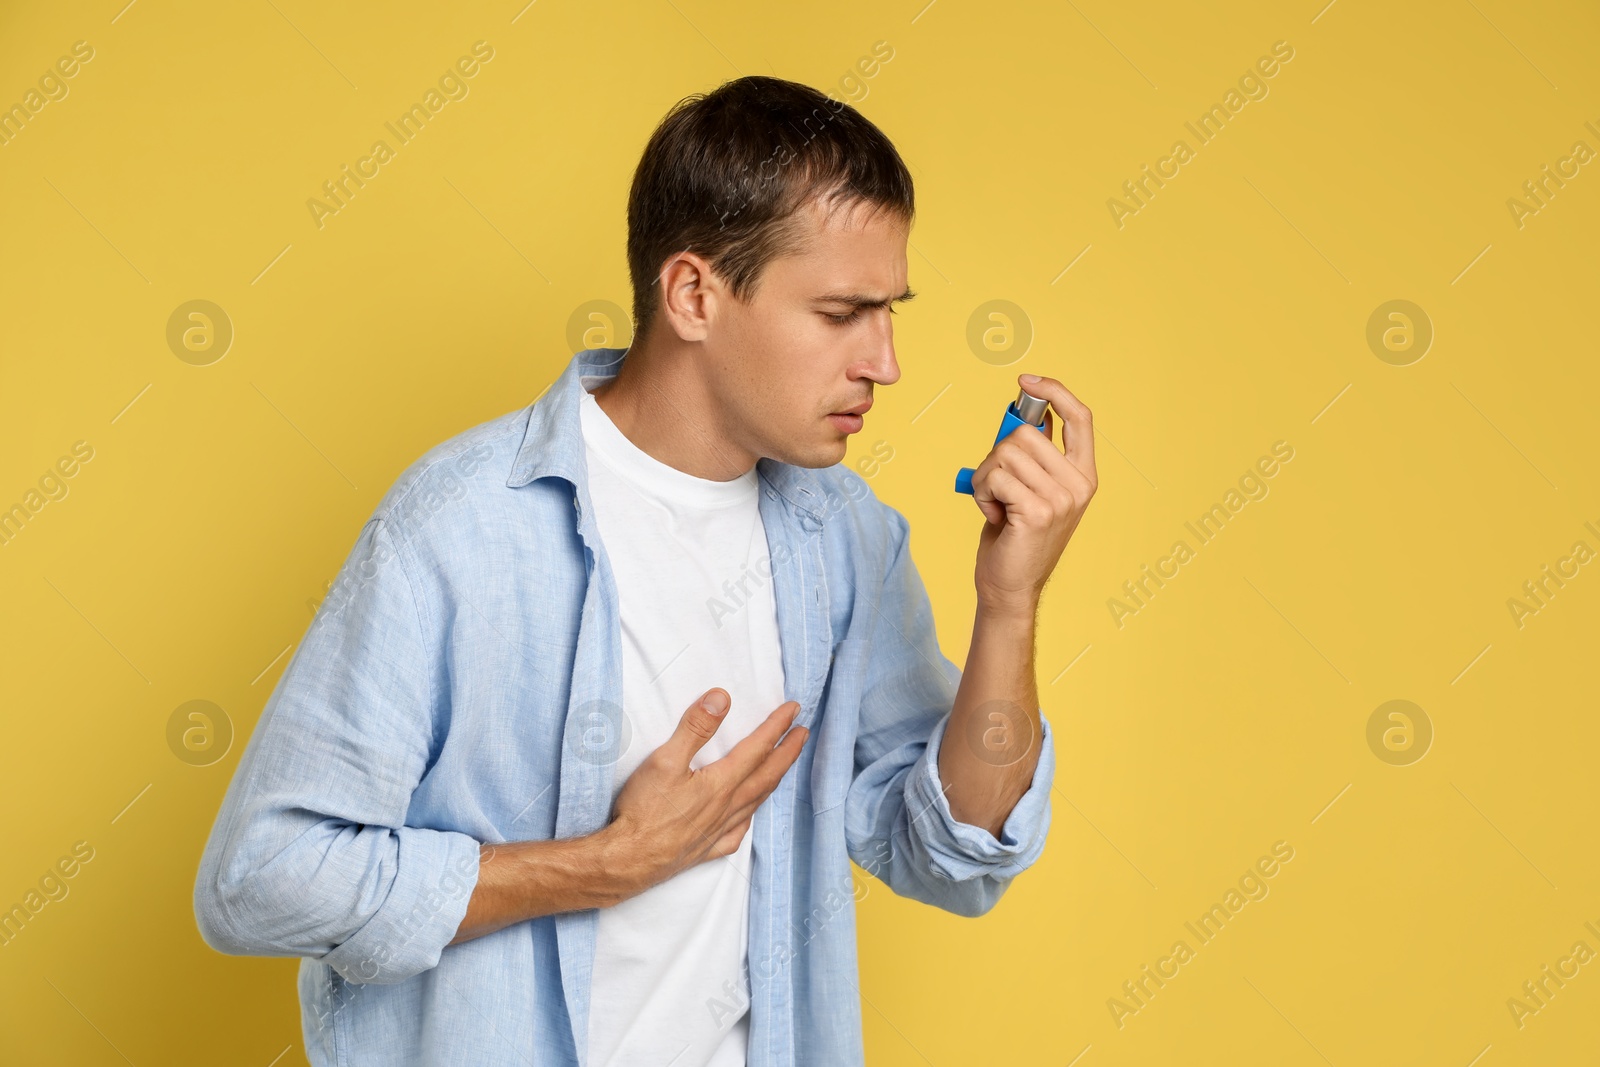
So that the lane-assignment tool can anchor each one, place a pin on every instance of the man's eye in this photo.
(845, 320)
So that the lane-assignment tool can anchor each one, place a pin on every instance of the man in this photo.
(475, 804)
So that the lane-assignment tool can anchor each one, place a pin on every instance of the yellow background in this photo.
(1229, 313)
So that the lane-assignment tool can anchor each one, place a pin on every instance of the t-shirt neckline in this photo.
(650, 475)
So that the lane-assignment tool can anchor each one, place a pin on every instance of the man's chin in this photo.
(816, 456)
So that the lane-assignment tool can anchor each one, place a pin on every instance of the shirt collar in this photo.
(552, 445)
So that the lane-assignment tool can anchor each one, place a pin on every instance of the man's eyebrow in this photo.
(865, 300)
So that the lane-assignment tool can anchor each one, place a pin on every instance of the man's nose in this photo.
(885, 369)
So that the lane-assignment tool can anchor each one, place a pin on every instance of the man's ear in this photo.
(689, 293)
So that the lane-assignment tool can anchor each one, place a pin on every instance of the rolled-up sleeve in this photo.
(959, 850)
(898, 822)
(311, 854)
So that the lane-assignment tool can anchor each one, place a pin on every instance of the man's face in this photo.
(814, 338)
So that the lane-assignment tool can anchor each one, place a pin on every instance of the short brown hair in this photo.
(725, 171)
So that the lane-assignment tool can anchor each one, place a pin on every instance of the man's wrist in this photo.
(1006, 611)
(623, 863)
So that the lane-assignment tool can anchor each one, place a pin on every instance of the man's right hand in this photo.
(668, 817)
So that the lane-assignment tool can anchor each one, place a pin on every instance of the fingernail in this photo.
(1030, 378)
(716, 702)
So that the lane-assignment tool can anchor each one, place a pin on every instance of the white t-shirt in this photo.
(671, 967)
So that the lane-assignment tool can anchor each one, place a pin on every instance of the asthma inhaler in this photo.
(1026, 411)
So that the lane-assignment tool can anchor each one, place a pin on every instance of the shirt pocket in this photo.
(837, 724)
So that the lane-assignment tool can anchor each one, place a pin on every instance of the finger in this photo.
(696, 726)
(747, 754)
(983, 492)
(1077, 421)
(1045, 494)
(1018, 502)
(759, 786)
(763, 779)
(1057, 466)
(995, 490)
(754, 752)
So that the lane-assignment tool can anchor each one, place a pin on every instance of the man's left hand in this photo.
(1033, 494)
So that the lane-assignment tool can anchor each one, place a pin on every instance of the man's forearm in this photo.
(991, 747)
(526, 879)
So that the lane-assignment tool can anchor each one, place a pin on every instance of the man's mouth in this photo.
(850, 419)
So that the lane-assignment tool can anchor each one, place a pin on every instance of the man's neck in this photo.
(661, 402)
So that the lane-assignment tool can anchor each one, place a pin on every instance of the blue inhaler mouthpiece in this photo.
(1026, 411)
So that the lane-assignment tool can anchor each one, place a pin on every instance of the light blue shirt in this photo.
(456, 687)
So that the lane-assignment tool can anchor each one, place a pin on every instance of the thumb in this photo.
(697, 726)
